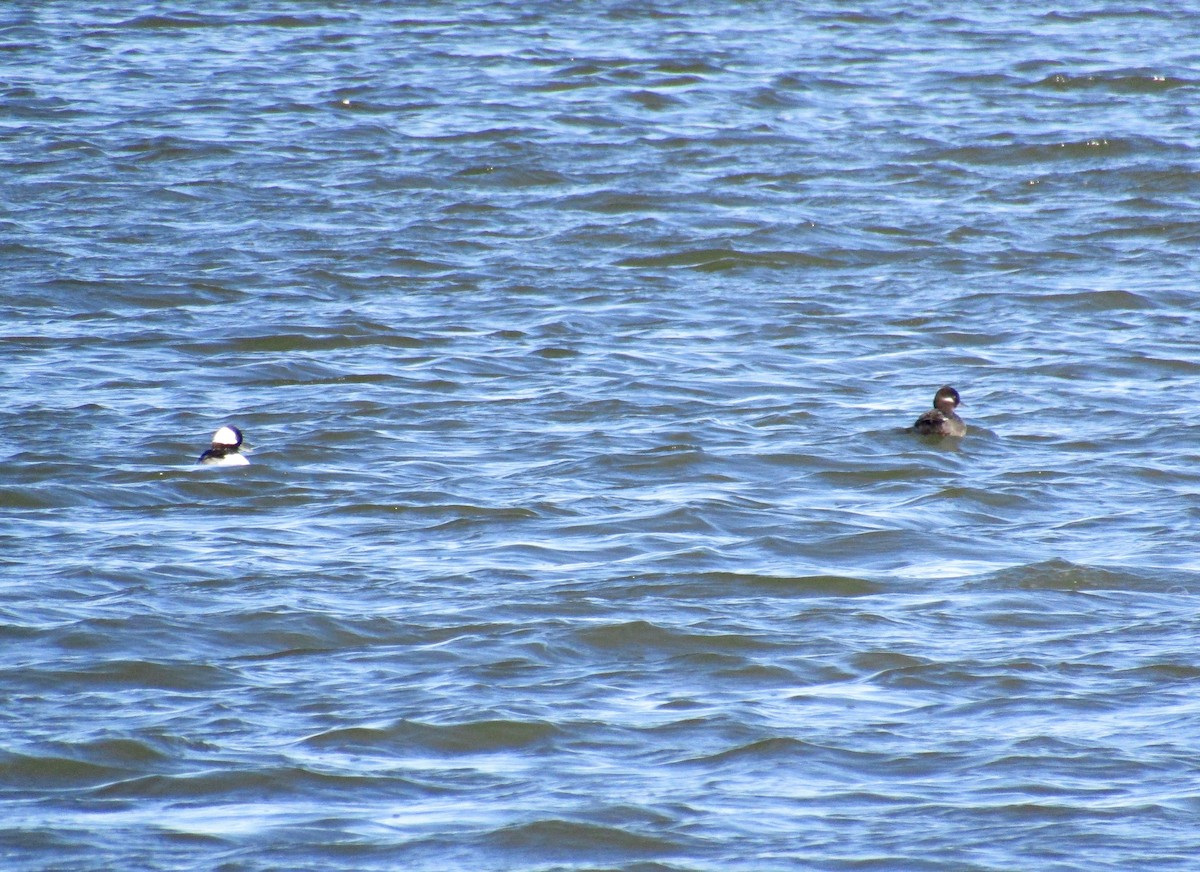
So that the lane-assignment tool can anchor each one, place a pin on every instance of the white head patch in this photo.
(226, 436)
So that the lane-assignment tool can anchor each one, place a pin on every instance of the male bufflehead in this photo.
(942, 420)
(224, 451)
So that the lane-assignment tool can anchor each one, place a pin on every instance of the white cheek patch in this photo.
(225, 436)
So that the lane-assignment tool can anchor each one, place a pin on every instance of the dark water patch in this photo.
(879, 474)
(879, 662)
(167, 147)
(462, 518)
(659, 458)
(609, 202)
(642, 638)
(513, 176)
(719, 259)
(721, 585)
(756, 675)
(1062, 575)
(772, 751)
(990, 498)
(114, 675)
(1138, 231)
(140, 753)
(53, 773)
(1099, 301)
(407, 737)
(652, 100)
(1160, 674)
(559, 840)
(879, 548)
(300, 21)
(317, 339)
(245, 784)
(1118, 83)
(552, 353)
(40, 496)
(1033, 153)
(25, 844)
(1051, 774)
(174, 21)
(480, 135)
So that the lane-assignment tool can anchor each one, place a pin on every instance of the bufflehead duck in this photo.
(224, 451)
(942, 420)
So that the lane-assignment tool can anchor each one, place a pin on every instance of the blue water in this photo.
(574, 346)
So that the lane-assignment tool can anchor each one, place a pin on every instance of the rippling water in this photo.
(575, 343)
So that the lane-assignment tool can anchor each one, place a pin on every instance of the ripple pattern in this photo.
(574, 345)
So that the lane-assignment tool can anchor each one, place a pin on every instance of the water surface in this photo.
(575, 343)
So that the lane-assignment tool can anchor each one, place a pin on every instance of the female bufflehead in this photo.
(942, 420)
(224, 451)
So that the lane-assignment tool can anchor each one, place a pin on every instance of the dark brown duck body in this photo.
(942, 420)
